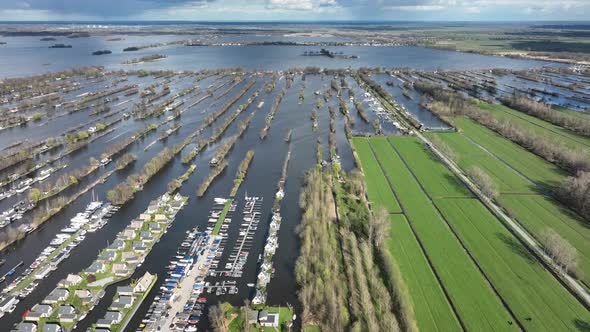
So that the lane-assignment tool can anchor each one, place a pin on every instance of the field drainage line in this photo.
(475, 262)
(420, 244)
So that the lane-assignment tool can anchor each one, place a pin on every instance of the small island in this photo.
(147, 58)
(48, 39)
(329, 54)
(60, 46)
(101, 52)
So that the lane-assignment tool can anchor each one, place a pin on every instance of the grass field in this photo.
(535, 212)
(430, 170)
(470, 155)
(548, 130)
(536, 297)
(477, 305)
(433, 312)
(532, 166)
(379, 192)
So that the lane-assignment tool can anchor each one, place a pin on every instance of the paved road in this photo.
(571, 282)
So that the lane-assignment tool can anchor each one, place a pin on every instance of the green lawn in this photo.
(470, 155)
(379, 192)
(427, 167)
(432, 309)
(546, 129)
(222, 216)
(534, 295)
(477, 305)
(530, 165)
(535, 212)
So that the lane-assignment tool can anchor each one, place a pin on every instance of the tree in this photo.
(379, 226)
(34, 195)
(483, 181)
(560, 250)
(218, 319)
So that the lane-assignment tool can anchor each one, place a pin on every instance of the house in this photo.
(26, 327)
(95, 268)
(160, 218)
(252, 316)
(110, 318)
(124, 290)
(139, 246)
(146, 236)
(50, 327)
(144, 283)
(66, 313)
(120, 269)
(135, 225)
(84, 295)
(155, 227)
(7, 303)
(108, 256)
(152, 208)
(145, 217)
(128, 234)
(116, 245)
(70, 280)
(130, 258)
(39, 311)
(57, 295)
(123, 302)
(267, 319)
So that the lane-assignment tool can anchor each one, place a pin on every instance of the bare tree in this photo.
(218, 319)
(560, 250)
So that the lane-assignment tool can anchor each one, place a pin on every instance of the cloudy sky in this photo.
(294, 10)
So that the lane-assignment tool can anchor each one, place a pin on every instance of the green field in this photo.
(530, 165)
(534, 295)
(430, 170)
(470, 155)
(533, 212)
(475, 302)
(379, 192)
(548, 130)
(433, 312)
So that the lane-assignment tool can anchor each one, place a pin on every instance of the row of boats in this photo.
(93, 218)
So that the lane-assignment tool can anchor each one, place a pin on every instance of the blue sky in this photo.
(295, 10)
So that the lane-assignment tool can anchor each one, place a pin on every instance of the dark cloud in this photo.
(98, 8)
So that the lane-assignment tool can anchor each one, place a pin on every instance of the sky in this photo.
(295, 10)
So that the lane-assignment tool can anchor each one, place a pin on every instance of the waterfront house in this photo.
(39, 311)
(152, 208)
(123, 302)
(57, 295)
(146, 236)
(252, 316)
(160, 218)
(135, 225)
(143, 283)
(85, 295)
(26, 327)
(116, 245)
(139, 246)
(96, 267)
(155, 227)
(107, 256)
(66, 313)
(70, 280)
(124, 290)
(145, 217)
(110, 318)
(120, 269)
(267, 319)
(51, 327)
(130, 258)
(128, 234)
